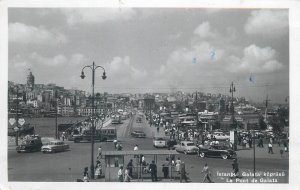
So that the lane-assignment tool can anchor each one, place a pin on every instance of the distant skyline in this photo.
(154, 50)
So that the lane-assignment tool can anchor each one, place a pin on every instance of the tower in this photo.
(30, 81)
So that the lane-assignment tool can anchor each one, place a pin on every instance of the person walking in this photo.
(127, 177)
(86, 177)
(178, 162)
(120, 174)
(235, 167)
(207, 174)
(115, 143)
(153, 171)
(250, 142)
(130, 167)
(183, 173)
(165, 168)
(285, 146)
(270, 147)
(98, 170)
(99, 153)
(136, 147)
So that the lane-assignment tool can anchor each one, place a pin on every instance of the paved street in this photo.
(68, 166)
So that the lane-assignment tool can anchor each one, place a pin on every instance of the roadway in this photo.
(68, 166)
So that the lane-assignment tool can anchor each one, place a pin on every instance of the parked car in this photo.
(186, 147)
(55, 146)
(159, 142)
(32, 144)
(217, 151)
(138, 134)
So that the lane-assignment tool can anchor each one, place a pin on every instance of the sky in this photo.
(154, 49)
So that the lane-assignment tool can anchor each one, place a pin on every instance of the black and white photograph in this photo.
(148, 95)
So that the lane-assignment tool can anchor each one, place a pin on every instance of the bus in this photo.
(116, 119)
(108, 133)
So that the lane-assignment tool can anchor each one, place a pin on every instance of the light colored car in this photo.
(220, 136)
(186, 147)
(159, 142)
(54, 146)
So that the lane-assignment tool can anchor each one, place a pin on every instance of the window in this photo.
(114, 161)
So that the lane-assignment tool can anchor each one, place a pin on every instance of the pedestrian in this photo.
(165, 168)
(99, 153)
(244, 143)
(285, 146)
(207, 174)
(120, 147)
(115, 143)
(183, 173)
(98, 170)
(270, 147)
(127, 177)
(157, 129)
(281, 153)
(130, 167)
(63, 136)
(261, 142)
(178, 162)
(86, 177)
(120, 174)
(250, 142)
(278, 141)
(235, 167)
(153, 171)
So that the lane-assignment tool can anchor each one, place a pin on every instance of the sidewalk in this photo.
(262, 152)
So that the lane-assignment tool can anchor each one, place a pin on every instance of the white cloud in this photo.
(22, 33)
(122, 68)
(267, 22)
(202, 52)
(204, 31)
(57, 60)
(90, 15)
(255, 60)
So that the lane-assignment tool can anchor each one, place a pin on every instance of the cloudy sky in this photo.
(154, 50)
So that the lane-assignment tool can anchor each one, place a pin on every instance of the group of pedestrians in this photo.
(124, 177)
(117, 145)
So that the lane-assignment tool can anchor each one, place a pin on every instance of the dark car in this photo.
(138, 134)
(217, 151)
(30, 145)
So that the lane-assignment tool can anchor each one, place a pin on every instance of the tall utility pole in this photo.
(93, 68)
(232, 90)
(197, 117)
(17, 117)
(56, 110)
(266, 110)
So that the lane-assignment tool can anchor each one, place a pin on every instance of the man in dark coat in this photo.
(153, 171)
(130, 166)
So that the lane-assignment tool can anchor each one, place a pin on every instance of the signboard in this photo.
(21, 121)
(12, 121)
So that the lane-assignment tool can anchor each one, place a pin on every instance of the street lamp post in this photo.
(254, 164)
(93, 68)
(232, 90)
(17, 118)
